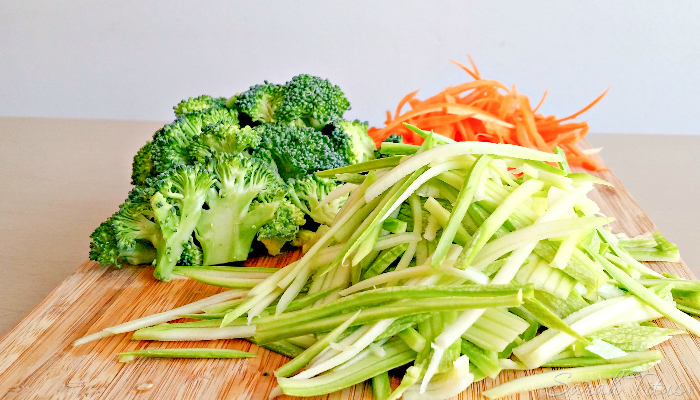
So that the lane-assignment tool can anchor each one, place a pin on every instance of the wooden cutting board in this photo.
(37, 360)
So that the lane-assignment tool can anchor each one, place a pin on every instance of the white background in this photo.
(136, 59)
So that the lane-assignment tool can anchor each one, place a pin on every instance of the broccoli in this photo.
(222, 137)
(171, 143)
(128, 235)
(194, 104)
(351, 140)
(311, 101)
(135, 221)
(394, 138)
(296, 151)
(308, 192)
(258, 104)
(177, 207)
(238, 205)
(283, 227)
(228, 172)
(103, 245)
(191, 254)
(142, 165)
(104, 248)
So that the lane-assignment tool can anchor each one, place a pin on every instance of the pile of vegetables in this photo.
(447, 264)
(486, 110)
(229, 173)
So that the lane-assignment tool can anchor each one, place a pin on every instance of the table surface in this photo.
(60, 178)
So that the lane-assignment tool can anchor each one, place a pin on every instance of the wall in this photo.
(136, 59)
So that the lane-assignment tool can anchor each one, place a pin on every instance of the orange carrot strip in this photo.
(469, 132)
(455, 90)
(529, 122)
(445, 130)
(461, 109)
(404, 100)
(588, 107)
(540, 103)
(388, 117)
(476, 70)
(438, 120)
(467, 70)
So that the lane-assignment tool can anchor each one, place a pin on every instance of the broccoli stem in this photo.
(226, 231)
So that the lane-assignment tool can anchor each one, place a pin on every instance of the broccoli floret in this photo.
(171, 143)
(258, 104)
(394, 138)
(135, 221)
(177, 207)
(191, 254)
(129, 235)
(308, 192)
(104, 248)
(194, 104)
(311, 101)
(304, 237)
(351, 140)
(296, 151)
(217, 114)
(103, 245)
(142, 165)
(222, 137)
(283, 227)
(141, 253)
(238, 205)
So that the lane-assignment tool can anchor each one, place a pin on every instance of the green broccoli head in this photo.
(217, 114)
(103, 245)
(130, 234)
(308, 192)
(239, 204)
(171, 143)
(222, 137)
(135, 219)
(177, 207)
(258, 104)
(283, 227)
(195, 104)
(296, 151)
(351, 140)
(394, 138)
(142, 166)
(311, 101)
(191, 254)
(105, 250)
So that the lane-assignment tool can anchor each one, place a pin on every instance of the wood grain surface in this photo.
(37, 360)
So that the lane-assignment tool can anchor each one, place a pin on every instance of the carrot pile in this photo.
(486, 110)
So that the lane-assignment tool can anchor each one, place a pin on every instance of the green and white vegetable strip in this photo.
(572, 375)
(448, 259)
(155, 319)
(128, 356)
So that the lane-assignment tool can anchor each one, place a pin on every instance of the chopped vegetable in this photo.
(128, 356)
(455, 261)
(488, 111)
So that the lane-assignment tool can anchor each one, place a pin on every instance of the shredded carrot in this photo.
(487, 110)
(540, 103)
